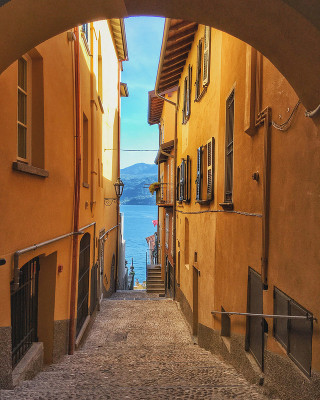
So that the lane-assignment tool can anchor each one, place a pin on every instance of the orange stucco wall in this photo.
(228, 243)
(39, 209)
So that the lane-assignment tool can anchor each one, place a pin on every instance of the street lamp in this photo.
(118, 187)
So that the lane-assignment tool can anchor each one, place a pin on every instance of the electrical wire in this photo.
(286, 125)
(131, 149)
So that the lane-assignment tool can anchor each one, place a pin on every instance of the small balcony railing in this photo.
(165, 195)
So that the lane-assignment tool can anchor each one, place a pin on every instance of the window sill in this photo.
(203, 202)
(29, 169)
(86, 185)
(226, 206)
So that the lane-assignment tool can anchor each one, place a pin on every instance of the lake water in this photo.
(137, 226)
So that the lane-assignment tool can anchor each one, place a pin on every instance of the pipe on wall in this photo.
(118, 175)
(75, 241)
(94, 107)
(264, 118)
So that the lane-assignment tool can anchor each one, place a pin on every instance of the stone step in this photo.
(155, 280)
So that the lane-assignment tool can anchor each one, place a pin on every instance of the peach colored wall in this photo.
(227, 244)
(38, 209)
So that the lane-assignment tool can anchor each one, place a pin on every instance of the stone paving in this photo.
(137, 350)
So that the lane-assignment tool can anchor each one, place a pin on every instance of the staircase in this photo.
(154, 282)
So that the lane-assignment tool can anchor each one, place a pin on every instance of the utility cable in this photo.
(286, 125)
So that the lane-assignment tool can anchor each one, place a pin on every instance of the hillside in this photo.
(135, 178)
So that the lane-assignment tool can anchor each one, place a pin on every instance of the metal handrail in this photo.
(308, 316)
(105, 233)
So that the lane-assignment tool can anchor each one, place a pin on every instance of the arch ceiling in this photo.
(287, 32)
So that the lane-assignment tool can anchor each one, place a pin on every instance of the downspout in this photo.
(75, 241)
(264, 118)
(118, 173)
(174, 217)
(162, 54)
(93, 130)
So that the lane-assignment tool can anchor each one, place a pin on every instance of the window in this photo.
(85, 32)
(184, 180)
(24, 108)
(295, 335)
(203, 64)
(30, 115)
(229, 149)
(205, 172)
(186, 111)
(167, 231)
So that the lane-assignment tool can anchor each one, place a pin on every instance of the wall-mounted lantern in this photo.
(118, 187)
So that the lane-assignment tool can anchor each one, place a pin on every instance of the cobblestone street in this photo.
(137, 350)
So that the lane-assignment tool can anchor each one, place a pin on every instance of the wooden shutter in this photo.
(210, 168)
(184, 109)
(188, 179)
(189, 78)
(206, 56)
(198, 78)
(178, 184)
(198, 180)
(182, 173)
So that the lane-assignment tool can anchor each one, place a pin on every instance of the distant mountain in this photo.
(140, 169)
(135, 178)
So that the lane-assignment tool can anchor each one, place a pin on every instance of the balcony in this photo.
(165, 195)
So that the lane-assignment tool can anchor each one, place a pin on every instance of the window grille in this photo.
(24, 310)
(295, 335)
(83, 281)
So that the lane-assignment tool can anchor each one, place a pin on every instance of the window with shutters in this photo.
(228, 191)
(186, 110)
(203, 64)
(184, 180)
(295, 335)
(30, 115)
(205, 172)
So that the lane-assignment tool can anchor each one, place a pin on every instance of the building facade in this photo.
(247, 208)
(60, 115)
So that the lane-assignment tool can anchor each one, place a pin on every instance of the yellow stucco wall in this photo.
(227, 244)
(38, 209)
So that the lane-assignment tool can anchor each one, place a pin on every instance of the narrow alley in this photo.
(137, 350)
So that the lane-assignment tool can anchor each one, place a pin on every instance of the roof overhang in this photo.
(177, 40)
(155, 105)
(164, 151)
(124, 92)
(120, 39)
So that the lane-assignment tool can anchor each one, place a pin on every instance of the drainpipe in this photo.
(164, 40)
(174, 217)
(93, 130)
(118, 170)
(75, 241)
(264, 118)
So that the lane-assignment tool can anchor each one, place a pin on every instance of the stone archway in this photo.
(287, 32)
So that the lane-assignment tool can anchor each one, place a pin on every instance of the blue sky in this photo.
(144, 36)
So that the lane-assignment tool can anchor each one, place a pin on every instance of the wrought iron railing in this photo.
(24, 310)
